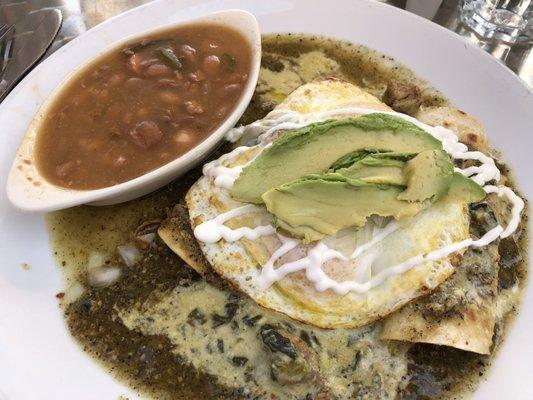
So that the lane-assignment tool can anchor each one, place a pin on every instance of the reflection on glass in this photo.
(527, 33)
(502, 20)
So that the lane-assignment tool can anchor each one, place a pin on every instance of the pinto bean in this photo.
(168, 82)
(188, 53)
(134, 83)
(232, 89)
(149, 61)
(194, 107)
(146, 134)
(197, 76)
(134, 63)
(115, 80)
(158, 70)
(169, 97)
(211, 65)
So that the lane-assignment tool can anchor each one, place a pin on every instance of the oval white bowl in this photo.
(28, 190)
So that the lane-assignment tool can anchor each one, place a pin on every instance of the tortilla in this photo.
(462, 312)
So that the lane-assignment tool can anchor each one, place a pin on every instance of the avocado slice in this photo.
(464, 190)
(381, 168)
(316, 206)
(314, 148)
(319, 205)
(428, 176)
(351, 158)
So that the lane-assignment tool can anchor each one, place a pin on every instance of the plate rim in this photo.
(528, 91)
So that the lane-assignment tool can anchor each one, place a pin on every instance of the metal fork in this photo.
(6, 41)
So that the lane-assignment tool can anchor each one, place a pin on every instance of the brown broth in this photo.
(141, 106)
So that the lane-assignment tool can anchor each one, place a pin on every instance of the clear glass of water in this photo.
(502, 20)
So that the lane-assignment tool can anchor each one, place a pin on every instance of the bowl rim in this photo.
(39, 199)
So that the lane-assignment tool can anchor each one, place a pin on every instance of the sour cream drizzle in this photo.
(214, 230)
(224, 177)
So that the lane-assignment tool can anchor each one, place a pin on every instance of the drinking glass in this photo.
(502, 20)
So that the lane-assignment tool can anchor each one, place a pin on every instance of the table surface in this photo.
(80, 15)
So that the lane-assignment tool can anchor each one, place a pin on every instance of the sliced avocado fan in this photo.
(329, 176)
(314, 148)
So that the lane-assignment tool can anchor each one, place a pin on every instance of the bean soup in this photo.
(143, 105)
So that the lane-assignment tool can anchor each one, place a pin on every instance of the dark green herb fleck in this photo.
(220, 345)
(218, 320)
(228, 62)
(251, 321)
(276, 342)
(171, 58)
(510, 255)
(239, 361)
(196, 317)
(134, 48)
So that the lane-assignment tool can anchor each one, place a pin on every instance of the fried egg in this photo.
(241, 262)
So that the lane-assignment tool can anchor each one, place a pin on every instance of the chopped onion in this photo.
(96, 259)
(73, 293)
(103, 277)
(147, 238)
(129, 253)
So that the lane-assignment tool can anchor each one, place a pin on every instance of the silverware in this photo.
(33, 35)
(6, 40)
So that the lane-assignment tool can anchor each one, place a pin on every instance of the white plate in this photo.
(38, 359)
